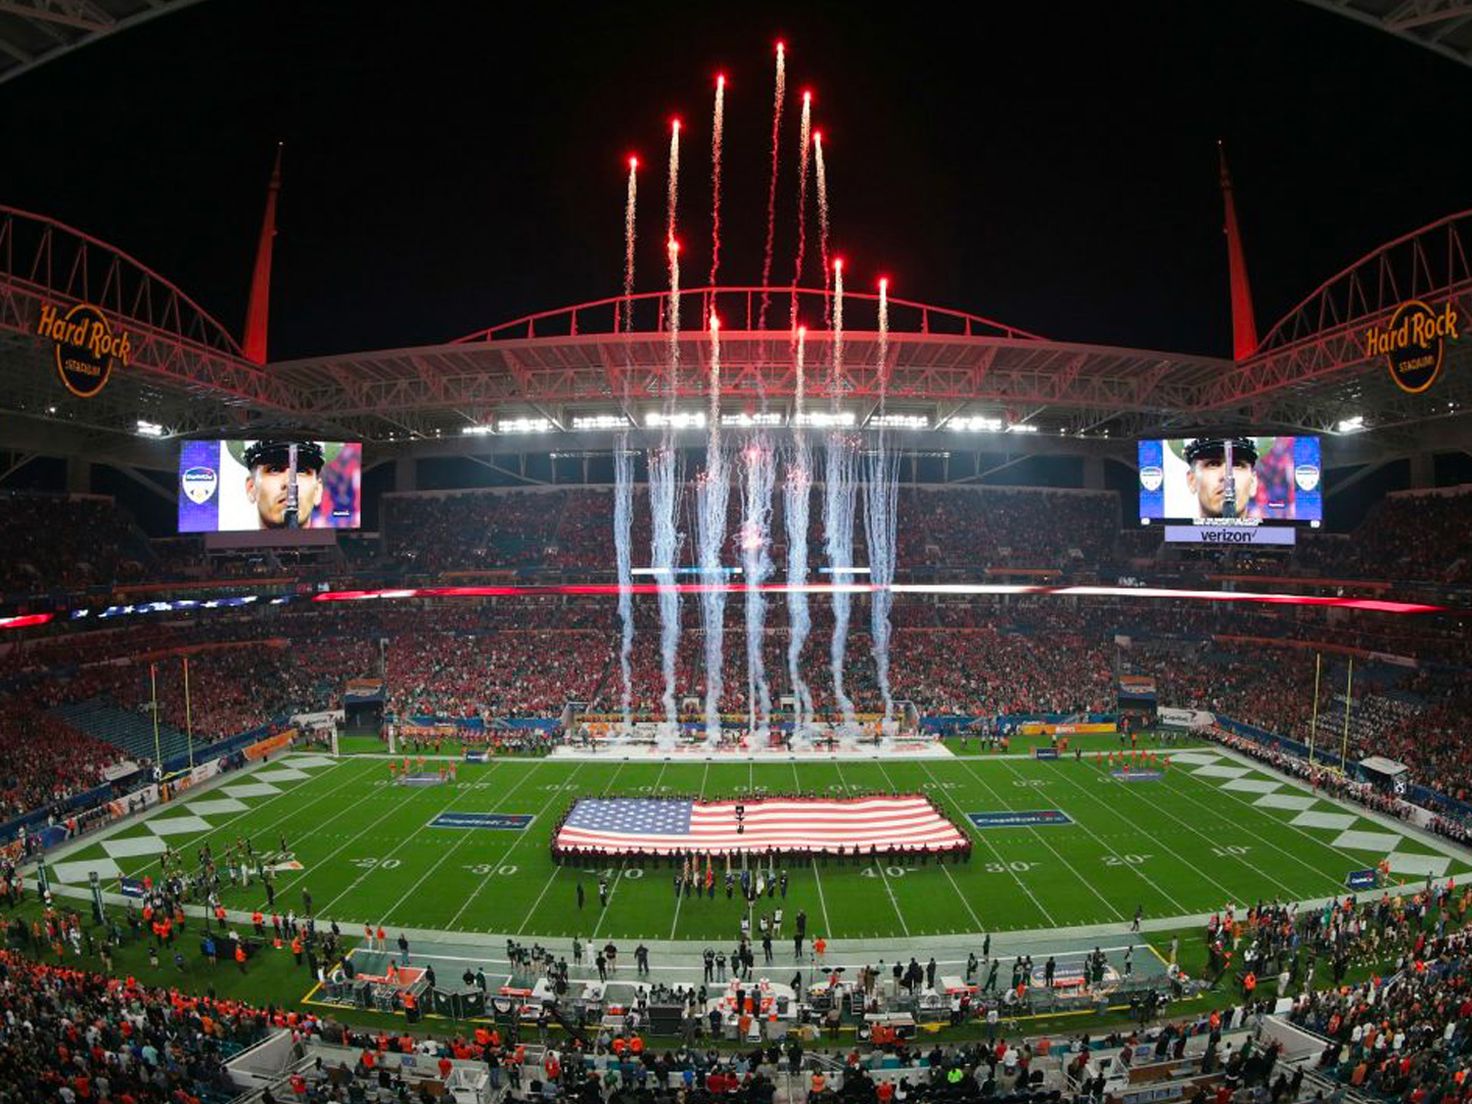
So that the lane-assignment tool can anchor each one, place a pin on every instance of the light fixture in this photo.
(680, 419)
(523, 425)
(975, 423)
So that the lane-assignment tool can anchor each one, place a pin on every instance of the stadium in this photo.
(778, 687)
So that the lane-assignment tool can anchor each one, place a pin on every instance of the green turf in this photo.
(1179, 846)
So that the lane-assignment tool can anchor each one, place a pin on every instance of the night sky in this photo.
(449, 166)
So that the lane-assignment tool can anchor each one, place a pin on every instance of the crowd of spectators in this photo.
(55, 541)
(73, 1035)
(75, 541)
(1406, 1039)
(44, 761)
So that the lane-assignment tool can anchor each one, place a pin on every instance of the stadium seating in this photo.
(44, 760)
(84, 1036)
(71, 541)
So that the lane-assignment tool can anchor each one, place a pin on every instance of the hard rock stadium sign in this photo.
(85, 346)
(1414, 343)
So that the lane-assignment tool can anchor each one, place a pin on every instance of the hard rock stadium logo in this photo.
(85, 346)
(1414, 343)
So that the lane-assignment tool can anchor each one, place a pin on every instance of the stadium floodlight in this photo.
(1351, 425)
(975, 423)
(1021, 427)
(149, 429)
(524, 425)
(744, 420)
(599, 421)
(476, 430)
(680, 419)
(824, 419)
(900, 421)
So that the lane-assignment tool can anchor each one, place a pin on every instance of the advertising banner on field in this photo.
(1066, 728)
(1172, 717)
(262, 748)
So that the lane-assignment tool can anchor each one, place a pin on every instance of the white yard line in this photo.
(618, 875)
(904, 927)
(817, 878)
(680, 900)
(1098, 839)
(965, 903)
(269, 828)
(1251, 867)
(1357, 861)
(393, 851)
(557, 793)
(1048, 916)
(556, 869)
(449, 851)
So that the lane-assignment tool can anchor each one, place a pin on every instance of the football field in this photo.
(1210, 830)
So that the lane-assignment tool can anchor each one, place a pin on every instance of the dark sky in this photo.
(453, 165)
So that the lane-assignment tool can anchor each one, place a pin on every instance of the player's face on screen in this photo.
(266, 486)
(1207, 480)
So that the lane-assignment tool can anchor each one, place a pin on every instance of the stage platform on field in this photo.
(696, 753)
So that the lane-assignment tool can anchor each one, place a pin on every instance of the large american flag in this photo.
(630, 824)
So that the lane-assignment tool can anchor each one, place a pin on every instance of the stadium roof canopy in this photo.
(584, 367)
(1441, 25)
(36, 31)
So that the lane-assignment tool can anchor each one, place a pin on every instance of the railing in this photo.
(44, 256)
(1426, 263)
(741, 309)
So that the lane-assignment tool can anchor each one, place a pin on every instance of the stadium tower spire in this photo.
(258, 310)
(1244, 325)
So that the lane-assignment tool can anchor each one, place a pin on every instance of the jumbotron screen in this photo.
(239, 486)
(1274, 479)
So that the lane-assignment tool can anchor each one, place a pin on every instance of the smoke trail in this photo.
(881, 502)
(630, 207)
(712, 492)
(672, 194)
(663, 471)
(777, 100)
(821, 179)
(796, 495)
(623, 515)
(758, 478)
(804, 132)
(663, 481)
(717, 132)
(838, 515)
(623, 475)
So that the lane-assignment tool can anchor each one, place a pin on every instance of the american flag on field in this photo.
(634, 824)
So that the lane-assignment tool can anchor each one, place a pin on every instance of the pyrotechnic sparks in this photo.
(838, 516)
(881, 505)
(664, 470)
(712, 492)
(631, 204)
(717, 132)
(821, 179)
(623, 478)
(758, 479)
(778, 97)
(804, 137)
(796, 497)
(623, 516)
